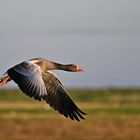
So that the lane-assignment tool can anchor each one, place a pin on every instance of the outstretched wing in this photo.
(29, 79)
(59, 99)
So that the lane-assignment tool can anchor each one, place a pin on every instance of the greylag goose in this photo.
(35, 80)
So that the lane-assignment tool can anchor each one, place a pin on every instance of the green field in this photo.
(113, 114)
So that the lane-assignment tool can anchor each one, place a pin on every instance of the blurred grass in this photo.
(83, 95)
(106, 95)
(110, 112)
(99, 100)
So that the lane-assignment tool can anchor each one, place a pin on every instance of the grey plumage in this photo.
(35, 80)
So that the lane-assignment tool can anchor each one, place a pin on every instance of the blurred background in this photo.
(101, 36)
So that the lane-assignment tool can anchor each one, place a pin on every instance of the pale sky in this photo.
(103, 36)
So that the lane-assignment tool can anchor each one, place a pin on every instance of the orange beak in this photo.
(78, 69)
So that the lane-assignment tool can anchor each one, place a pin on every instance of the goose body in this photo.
(34, 78)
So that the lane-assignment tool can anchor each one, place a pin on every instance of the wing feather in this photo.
(29, 79)
(59, 99)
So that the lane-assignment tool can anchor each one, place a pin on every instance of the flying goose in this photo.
(35, 80)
